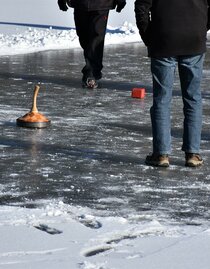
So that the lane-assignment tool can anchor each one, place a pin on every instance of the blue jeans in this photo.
(190, 74)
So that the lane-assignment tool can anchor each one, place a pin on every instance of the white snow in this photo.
(29, 39)
(63, 236)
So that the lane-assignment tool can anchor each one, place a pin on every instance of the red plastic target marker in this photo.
(138, 93)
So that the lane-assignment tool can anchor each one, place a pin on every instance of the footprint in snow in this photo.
(47, 229)
(89, 222)
(96, 251)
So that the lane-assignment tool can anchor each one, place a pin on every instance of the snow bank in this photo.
(28, 40)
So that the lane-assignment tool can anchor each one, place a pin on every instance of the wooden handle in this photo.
(34, 107)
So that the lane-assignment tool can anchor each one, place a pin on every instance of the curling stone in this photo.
(33, 119)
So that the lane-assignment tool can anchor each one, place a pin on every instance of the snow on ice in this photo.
(58, 235)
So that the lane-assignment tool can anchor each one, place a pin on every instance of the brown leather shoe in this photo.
(160, 160)
(193, 160)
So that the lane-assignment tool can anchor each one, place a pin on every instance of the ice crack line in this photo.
(25, 253)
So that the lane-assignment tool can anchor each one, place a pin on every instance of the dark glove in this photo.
(62, 5)
(120, 5)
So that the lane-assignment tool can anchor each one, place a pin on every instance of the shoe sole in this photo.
(189, 164)
(157, 164)
(89, 87)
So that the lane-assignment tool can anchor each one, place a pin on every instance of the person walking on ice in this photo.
(90, 18)
(175, 35)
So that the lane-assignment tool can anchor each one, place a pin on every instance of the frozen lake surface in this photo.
(92, 155)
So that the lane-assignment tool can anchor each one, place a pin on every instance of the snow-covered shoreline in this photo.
(30, 39)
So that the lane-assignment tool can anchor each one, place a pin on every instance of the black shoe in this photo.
(90, 83)
(161, 160)
(193, 160)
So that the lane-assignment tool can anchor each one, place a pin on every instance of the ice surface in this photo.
(78, 194)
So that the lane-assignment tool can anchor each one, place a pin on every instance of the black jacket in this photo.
(90, 5)
(173, 27)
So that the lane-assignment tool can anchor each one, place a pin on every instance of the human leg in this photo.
(163, 70)
(81, 19)
(91, 29)
(190, 72)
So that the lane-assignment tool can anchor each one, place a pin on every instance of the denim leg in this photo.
(91, 30)
(163, 70)
(190, 72)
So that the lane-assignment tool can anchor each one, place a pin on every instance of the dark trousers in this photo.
(91, 30)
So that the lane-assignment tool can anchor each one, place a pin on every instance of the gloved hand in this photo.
(63, 5)
(120, 5)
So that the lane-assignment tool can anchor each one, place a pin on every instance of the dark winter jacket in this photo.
(173, 27)
(90, 5)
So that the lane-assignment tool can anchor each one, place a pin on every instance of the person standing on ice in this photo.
(175, 34)
(90, 18)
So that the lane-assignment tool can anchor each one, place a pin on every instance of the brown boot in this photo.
(193, 160)
(161, 160)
